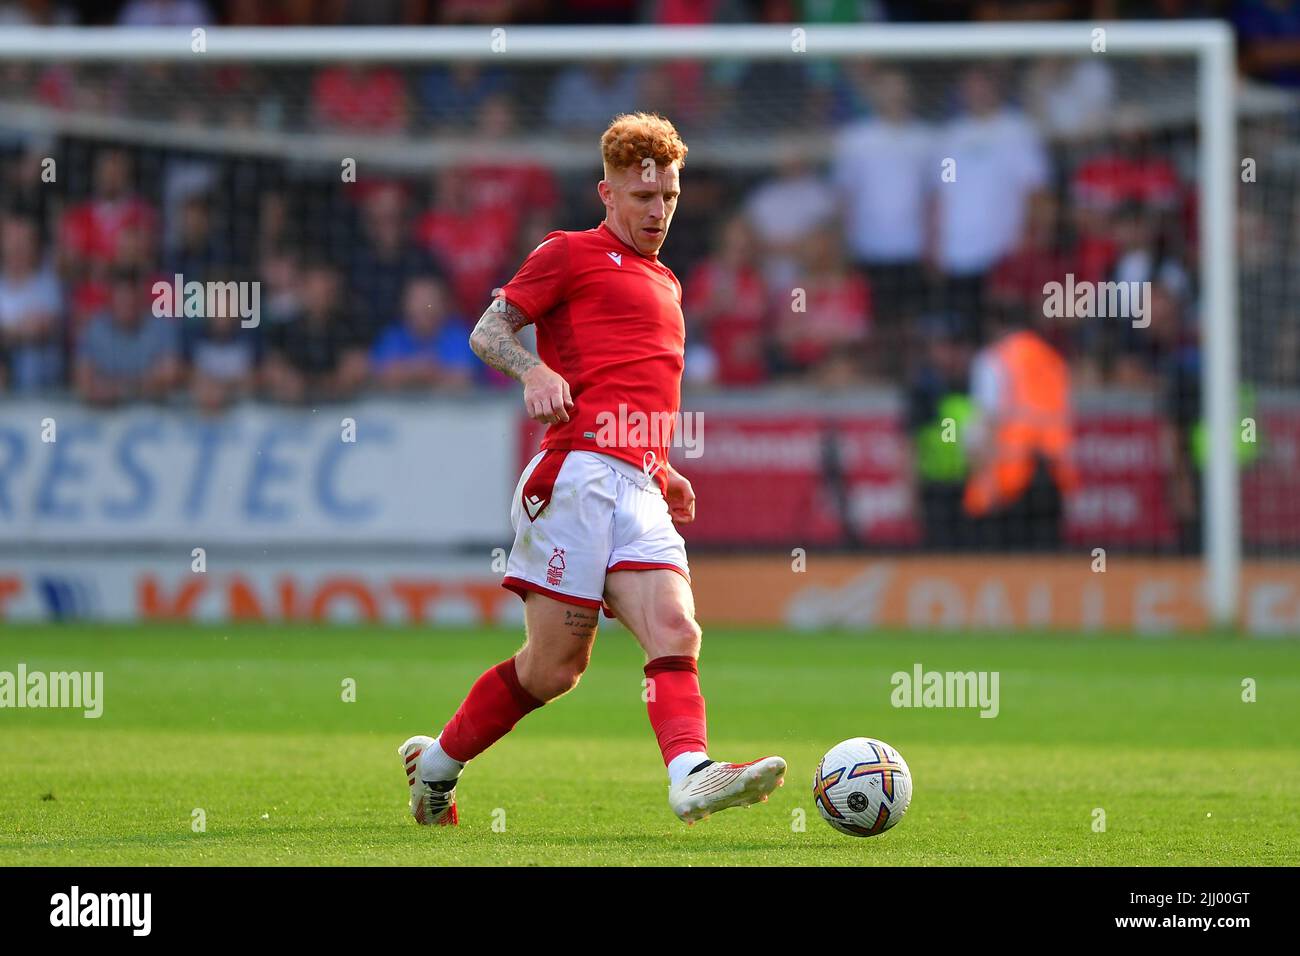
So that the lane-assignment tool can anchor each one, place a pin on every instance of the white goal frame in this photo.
(1210, 42)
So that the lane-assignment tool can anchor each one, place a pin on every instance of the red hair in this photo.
(633, 137)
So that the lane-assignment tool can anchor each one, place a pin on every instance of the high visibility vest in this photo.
(940, 456)
(1033, 422)
(1248, 442)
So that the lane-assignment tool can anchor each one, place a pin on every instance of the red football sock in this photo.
(676, 706)
(495, 703)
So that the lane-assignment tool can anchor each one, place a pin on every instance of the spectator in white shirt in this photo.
(784, 212)
(989, 162)
(1071, 97)
(884, 180)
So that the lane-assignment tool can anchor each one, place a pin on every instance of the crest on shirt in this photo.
(617, 257)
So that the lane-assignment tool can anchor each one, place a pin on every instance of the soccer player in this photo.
(593, 512)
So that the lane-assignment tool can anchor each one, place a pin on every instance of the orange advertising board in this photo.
(1164, 596)
(862, 593)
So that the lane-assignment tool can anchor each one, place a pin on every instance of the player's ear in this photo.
(605, 191)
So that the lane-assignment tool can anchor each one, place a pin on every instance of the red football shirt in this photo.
(609, 320)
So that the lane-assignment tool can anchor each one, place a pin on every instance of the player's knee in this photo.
(562, 676)
(678, 634)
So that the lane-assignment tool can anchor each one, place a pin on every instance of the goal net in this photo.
(965, 293)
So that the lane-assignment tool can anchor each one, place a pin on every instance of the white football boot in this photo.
(429, 806)
(718, 786)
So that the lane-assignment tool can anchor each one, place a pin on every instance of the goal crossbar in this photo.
(541, 44)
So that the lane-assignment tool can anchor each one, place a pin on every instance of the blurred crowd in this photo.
(948, 199)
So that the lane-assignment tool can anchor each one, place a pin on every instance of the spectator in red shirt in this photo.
(135, 250)
(725, 306)
(92, 231)
(1129, 169)
(514, 184)
(114, 229)
(360, 98)
(827, 341)
(472, 242)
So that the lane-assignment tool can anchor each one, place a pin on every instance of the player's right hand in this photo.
(546, 395)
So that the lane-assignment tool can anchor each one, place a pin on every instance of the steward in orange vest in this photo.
(1021, 456)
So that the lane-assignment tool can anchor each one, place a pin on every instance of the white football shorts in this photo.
(577, 516)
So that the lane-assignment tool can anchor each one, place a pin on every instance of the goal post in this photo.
(1209, 43)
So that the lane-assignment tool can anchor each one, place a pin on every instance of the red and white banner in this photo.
(784, 478)
(794, 477)
(1270, 488)
(1125, 469)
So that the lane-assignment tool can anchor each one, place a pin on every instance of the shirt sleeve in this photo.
(540, 284)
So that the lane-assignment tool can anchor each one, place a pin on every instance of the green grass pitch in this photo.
(248, 723)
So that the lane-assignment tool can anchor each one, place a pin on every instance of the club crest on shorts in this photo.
(555, 567)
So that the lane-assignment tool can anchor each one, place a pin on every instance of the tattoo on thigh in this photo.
(581, 622)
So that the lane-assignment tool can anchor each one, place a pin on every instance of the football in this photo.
(862, 787)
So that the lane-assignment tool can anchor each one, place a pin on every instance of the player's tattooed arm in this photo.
(495, 340)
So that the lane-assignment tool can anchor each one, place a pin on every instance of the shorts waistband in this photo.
(627, 470)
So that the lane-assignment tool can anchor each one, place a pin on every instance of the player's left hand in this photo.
(681, 498)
